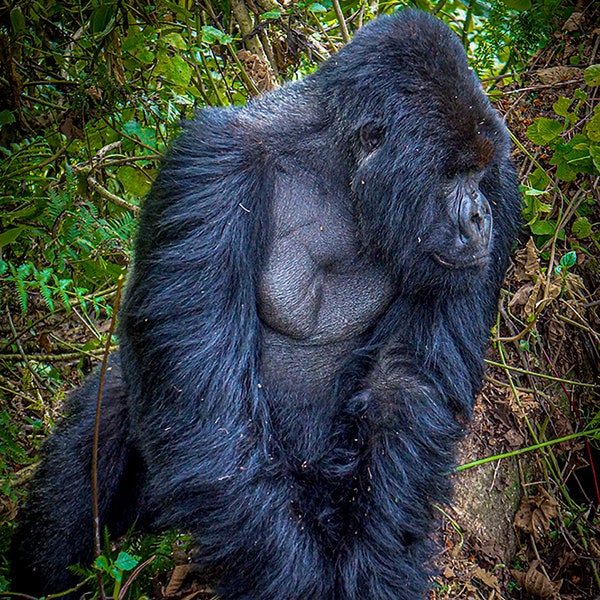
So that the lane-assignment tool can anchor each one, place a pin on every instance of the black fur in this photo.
(302, 334)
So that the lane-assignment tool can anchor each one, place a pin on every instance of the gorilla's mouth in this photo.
(478, 261)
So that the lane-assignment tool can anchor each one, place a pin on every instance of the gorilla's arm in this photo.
(191, 345)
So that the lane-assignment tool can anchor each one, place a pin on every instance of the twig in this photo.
(341, 20)
(112, 197)
(95, 505)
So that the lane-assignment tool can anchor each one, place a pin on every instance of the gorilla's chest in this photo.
(318, 293)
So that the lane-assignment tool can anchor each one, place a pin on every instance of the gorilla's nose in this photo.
(475, 220)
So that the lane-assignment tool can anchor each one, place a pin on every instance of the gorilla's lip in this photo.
(476, 260)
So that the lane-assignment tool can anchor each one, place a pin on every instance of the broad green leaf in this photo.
(544, 130)
(543, 227)
(102, 19)
(595, 154)
(592, 75)
(102, 563)
(211, 35)
(317, 8)
(6, 117)
(569, 259)
(177, 71)
(539, 179)
(144, 55)
(592, 128)
(135, 39)
(133, 180)
(175, 40)
(272, 14)
(561, 108)
(17, 20)
(582, 228)
(126, 562)
(10, 236)
(518, 5)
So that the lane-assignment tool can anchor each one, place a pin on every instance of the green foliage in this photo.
(575, 152)
(572, 153)
(79, 246)
(115, 569)
(506, 33)
(128, 570)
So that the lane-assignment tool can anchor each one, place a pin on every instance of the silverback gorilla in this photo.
(302, 334)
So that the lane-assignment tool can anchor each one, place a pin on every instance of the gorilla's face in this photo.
(419, 200)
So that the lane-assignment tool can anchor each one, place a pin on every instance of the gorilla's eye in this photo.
(371, 136)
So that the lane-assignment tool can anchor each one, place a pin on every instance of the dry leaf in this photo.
(535, 514)
(574, 21)
(448, 573)
(531, 304)
(514, 438)
(180, 572)
(258, 70)
(488, 578)
(537, 584)
(522, 295)
(527, 262)
(559, 74)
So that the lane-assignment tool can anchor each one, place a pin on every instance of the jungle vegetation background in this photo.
(92, 92)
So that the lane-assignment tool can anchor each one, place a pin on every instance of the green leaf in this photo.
(133, 180)
(175, 40)
(543, 227)
(178, 71)
(211, 35)
(565, 172)
(144, 55)
(272, 14)
(317, 8)
(17, 20)
(569, 259)
(592, 128)
(10, 236)
(592, 75)
(582, 228)
(126, 562)
(539, 179)
(101, 563)
(132, 128)
(518, 5)
(595, 154)
(103, 18)
(544, 130)
(561, 108)
(6, 117)
(572, 158)
(116, 573)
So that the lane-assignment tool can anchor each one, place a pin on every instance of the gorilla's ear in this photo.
(371, 135)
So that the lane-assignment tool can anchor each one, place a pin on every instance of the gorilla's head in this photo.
(425, 146)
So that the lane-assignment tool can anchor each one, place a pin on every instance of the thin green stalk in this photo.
(567, 438)
(540, 375)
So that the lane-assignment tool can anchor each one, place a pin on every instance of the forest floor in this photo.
(522, 527)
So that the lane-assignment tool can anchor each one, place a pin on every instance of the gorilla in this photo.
(302, 334)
